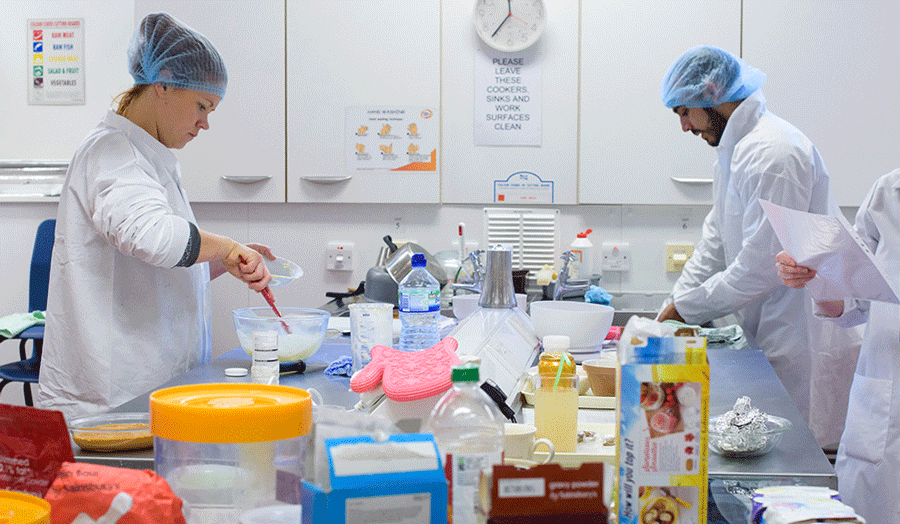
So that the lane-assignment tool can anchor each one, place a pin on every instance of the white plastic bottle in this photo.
(468, 430)
(265, 368)
(420, 304)
(583, 250)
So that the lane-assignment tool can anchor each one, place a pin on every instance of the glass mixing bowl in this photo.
(307, 329)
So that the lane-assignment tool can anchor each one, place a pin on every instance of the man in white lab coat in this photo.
(868, 460)
(760, 156)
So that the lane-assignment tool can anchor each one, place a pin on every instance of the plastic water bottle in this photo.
(265, 368)
(468, 430)
(420, 304)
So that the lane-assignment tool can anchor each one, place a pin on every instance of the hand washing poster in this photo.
(56, 61)
(386, 138)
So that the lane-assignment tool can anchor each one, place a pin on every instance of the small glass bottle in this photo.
(265, 368)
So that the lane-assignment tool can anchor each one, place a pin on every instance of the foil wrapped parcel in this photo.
(743, 428)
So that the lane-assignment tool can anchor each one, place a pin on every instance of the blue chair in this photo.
(26, 370)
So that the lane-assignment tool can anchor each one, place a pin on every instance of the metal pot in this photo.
(399, 262)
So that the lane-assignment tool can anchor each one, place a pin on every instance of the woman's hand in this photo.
(791, 274)
(247, 264)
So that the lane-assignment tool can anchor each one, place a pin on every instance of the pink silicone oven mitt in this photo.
(406, 376)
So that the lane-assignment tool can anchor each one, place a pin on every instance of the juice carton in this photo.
(663, 416)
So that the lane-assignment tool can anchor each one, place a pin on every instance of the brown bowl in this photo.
(601, 373)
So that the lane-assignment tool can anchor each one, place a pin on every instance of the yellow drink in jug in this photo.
(556, 401)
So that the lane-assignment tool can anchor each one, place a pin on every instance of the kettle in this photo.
(392, 265)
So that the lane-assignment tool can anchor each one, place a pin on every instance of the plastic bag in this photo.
(34, 443)
(90, 493)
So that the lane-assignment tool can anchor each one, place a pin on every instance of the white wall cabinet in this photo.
(632, 149)
(349, 56)
(469, 171)
(241, 158)
(53, 132)
(832, 71)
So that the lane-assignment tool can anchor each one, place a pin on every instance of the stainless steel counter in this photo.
(738, 373)
(335, 390)
(732, 374)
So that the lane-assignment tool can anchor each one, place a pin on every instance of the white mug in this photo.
(519, 443)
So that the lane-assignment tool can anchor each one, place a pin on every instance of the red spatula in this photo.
(270, 298)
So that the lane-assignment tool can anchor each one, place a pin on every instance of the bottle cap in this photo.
(585, 234)
(418, 260)
(467, 373)
(556, 343)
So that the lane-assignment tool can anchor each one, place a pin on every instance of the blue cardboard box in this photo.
(400, 480)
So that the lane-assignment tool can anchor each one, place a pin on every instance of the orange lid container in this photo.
(230, 413)
(20, 508)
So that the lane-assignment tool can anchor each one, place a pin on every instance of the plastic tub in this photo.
(23, 509)
(219, 446)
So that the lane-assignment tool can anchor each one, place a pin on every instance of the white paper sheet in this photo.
(845, 266)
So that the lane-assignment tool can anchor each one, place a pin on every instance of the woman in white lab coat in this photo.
(128, 306)
(868, 461)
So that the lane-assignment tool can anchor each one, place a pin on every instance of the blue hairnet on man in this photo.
(718, 97)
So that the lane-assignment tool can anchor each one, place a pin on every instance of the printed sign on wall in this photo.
(388, 138)
(507, 99)
(56, 62)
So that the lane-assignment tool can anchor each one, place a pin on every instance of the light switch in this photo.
(677, 254)
(339, 256)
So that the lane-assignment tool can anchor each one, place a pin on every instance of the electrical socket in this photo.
(677, 254)
(339, 256)
(616, 256)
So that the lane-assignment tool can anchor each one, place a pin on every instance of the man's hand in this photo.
(669, 313)
(791, 274)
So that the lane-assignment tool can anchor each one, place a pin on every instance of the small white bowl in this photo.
(465, 305)
(585, 323)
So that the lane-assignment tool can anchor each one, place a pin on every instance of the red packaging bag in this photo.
(34, 443)
(107, 494)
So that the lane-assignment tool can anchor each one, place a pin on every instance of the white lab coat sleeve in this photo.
(707, 260)
(128, 206)
(856, 311)
(759, 173)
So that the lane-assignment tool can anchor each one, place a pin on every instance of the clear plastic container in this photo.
(420, 306)
(222, 446)
(469, 432)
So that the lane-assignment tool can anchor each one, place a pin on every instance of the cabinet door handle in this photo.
(327, 179)
(694, 181)
(246, 179)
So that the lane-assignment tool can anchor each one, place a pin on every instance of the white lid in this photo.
(288, 514)
(236, 372)
(556, 342)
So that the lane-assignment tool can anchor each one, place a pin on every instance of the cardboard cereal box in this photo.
(663, 416)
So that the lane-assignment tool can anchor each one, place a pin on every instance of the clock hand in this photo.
(501, 25)
(519, 19)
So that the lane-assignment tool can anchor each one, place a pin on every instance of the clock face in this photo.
(509, 25)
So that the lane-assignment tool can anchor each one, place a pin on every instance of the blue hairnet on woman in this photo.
(167, 51)
(707, 76)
